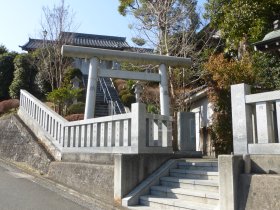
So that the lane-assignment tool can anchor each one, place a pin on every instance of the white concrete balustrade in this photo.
(135, 132)
(48, 120)
(256, 121)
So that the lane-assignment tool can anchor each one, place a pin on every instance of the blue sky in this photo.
(20, 19)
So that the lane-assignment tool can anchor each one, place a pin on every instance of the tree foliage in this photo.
(24, 75)
(239, 19)
(63, 97)
(3, 49)
(261, 71)
(157, 21)
(267, 71)
(222, 72)
(240, 22)
(70, 74)
(6, 73)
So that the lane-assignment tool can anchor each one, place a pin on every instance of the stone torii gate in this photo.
(95, 70)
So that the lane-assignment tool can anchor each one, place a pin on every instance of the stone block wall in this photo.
(18, 144)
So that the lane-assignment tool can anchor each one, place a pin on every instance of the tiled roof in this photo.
(271, 40)
(96, 41)
(34, 44)
(85, 40)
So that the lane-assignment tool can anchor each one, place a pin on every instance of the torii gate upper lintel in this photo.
(95, 55)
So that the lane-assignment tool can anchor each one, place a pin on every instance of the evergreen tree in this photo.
(242, 19)
(24, 76)
(6, 73)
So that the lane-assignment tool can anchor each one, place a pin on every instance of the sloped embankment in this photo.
(18, 144)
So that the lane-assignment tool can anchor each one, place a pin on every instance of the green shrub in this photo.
(63, 97)
(152, 109)
(130, 85)
(124, 92)
(77, 108)
(70, 74)
(128, 99)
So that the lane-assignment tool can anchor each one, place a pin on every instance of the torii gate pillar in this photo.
(91, 88)
(163, 87)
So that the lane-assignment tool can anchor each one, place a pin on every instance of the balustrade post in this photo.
(138, 126)
(241, 118)
(264, 122)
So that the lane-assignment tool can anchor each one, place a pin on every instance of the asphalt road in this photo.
(21, 191)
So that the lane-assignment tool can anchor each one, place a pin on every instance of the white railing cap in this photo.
(114, 55)
(262, 97)
(43, 106)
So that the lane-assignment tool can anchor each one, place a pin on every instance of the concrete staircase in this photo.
(114, 96)
(102, 105)
(190, 186)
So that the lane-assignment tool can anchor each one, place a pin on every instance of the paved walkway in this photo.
(21, 191)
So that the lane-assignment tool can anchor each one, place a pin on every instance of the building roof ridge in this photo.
(94, 36)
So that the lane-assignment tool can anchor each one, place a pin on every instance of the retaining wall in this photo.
(18, 144)
(259, 192)
(108, 177)
(249, 183)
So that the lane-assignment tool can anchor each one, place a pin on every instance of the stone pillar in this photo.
(230, 167)
(241, 118)
(91, 88)
(138, 127)
(186, 131)
(75, 85)
(163, 87)
(264, 122)
(138, 91)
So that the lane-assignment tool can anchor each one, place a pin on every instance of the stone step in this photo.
(175, 182)
(197, 196)
(143, 208)
(173, 203)
(203, 166)
(194, 174)
(199, 162)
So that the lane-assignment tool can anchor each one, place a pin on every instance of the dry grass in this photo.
(75, 117)
(150, 94)
(7, 105)
(120, 84)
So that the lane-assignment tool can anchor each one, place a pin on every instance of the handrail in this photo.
(262, 97)
(105, 89)
(44, 106)
(117, 102)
